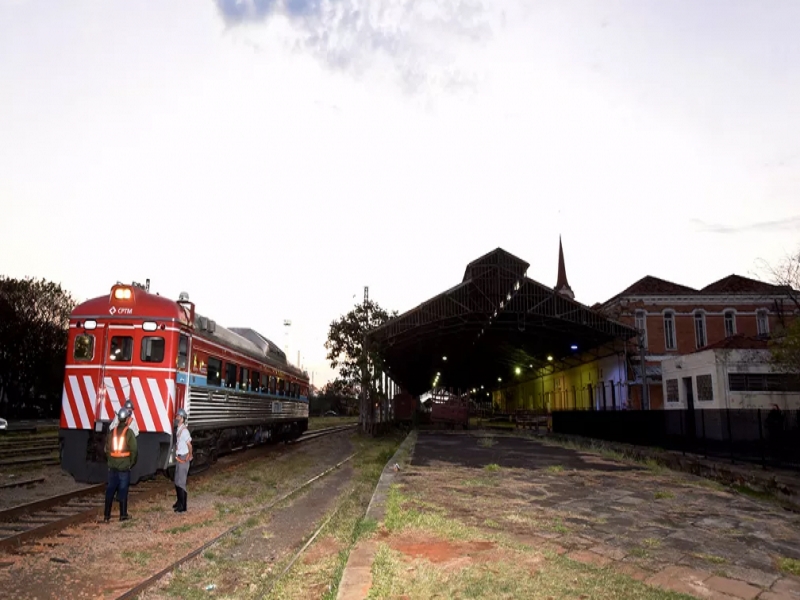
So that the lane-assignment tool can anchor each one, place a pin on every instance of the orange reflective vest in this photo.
(119, 446)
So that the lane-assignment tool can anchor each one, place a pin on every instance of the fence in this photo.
(768, 437)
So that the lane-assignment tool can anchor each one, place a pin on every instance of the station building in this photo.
(516, 344)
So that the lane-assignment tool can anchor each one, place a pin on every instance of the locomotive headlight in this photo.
(149, 326)
(91, 324)
(122, 293)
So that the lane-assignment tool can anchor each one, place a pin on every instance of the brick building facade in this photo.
(680, 320)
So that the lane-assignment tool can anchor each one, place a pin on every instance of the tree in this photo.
(785, 344)
(345, 347)
(34, 320)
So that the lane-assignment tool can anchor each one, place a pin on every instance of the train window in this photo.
(183, 351)
(84, 347)
(273, 384)
(214, 376)
(230, 375)
(264, 383)
(281, 388)
(152, 349)
(121, 348)
(243, 380)
(255, 381)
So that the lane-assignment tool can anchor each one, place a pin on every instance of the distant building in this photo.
(733, 373)
(678, 320)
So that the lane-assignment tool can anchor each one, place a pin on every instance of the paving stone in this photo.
(589, 558)
(787, 585)
(732, 587)
(753, 576)
(611, 552)
(681, 579)
(775, 596)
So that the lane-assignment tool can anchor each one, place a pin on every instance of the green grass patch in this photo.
(664, 495)
(711, 558)
(486, 441)
(789, 565)
(555, 469)
(140, 558)
(492, 468)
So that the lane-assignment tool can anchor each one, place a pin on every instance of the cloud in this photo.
(762, 226)
(418, 37)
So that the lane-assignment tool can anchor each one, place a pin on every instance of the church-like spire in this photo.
(562, 286)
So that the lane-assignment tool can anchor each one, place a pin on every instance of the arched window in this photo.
(670, 340)
(641, 324)
(700, 328)
(730, 323)
(762, 321)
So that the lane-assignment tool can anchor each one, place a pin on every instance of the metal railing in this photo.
(768, 437)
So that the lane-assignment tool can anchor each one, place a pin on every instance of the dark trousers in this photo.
(118, 481)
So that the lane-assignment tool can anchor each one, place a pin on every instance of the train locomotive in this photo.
(235, 384)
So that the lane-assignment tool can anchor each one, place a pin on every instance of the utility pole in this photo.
(366, 405)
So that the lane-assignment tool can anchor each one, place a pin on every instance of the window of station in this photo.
(243, 378)
(705, 389)
(152, 349)
(84, 347)
(183, 351)
(730, 323)
(669, 330)
(214, 373)
(641, 325)
(762, 322)
(230, 375)
(255, 381)
(672, 390)
(700, 328)
(121, 349)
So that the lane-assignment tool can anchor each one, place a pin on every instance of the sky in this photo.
(273, 157)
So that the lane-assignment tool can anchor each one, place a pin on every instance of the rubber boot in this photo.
(123, 510)
(107, 510)
(182, 500)
(177, 504)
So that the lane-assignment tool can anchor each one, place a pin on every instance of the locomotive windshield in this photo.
(121, 349)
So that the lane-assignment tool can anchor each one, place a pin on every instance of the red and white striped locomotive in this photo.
(236, 386)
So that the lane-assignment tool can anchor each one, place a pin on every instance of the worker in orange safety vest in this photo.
(122, 452)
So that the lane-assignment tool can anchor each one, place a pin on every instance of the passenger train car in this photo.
(236, 386)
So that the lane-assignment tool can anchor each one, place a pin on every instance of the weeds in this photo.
(492, 468)
(789, 565)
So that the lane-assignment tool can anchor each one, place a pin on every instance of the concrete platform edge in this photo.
(357, 577)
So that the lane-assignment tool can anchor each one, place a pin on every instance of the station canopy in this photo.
(495, 327)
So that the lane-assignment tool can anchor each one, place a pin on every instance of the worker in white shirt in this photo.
(183, 457)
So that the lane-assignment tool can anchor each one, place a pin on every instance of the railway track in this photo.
(20, 449)
(137, 589)
(44, 517)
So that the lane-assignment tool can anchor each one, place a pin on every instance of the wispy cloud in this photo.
(761, 226)
(417, 36)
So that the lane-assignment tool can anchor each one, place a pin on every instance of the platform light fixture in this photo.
(550, 357)
(574, 347)
(517, 370)
(499, 379)
(444, 358)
